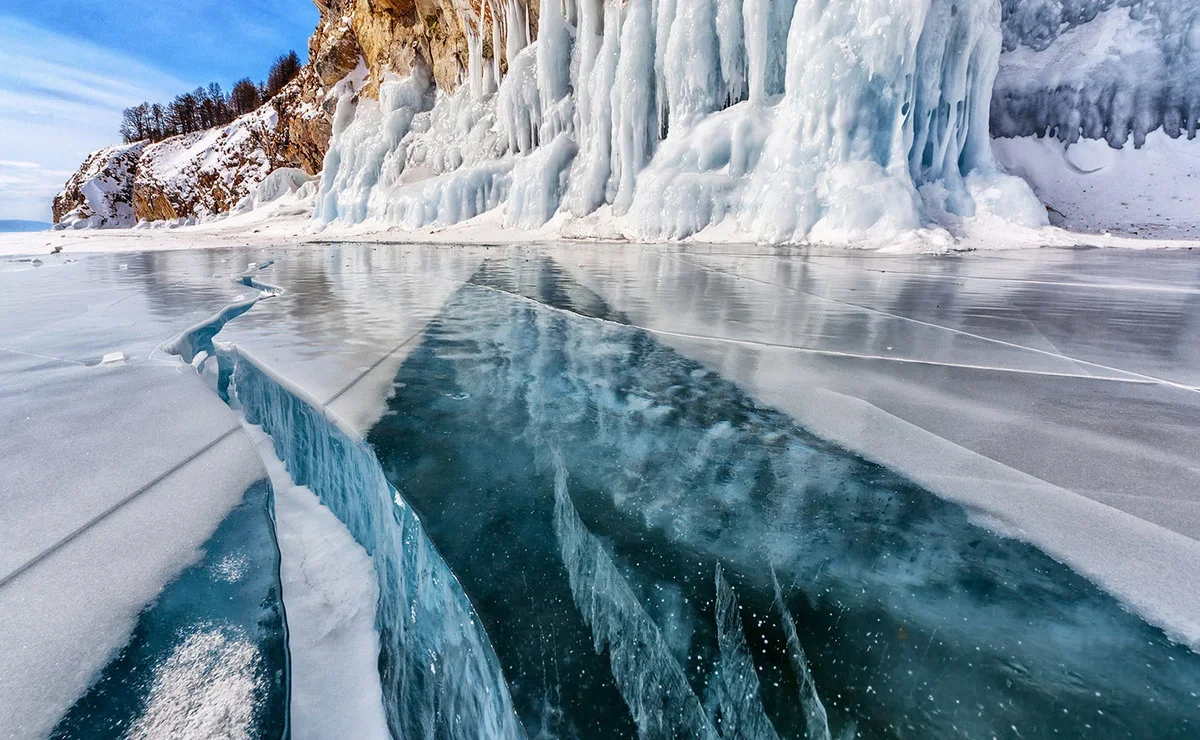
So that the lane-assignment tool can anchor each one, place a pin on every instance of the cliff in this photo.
(679, 103)
(209, 172)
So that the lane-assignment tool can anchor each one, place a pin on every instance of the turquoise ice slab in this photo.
(209, 657)
(916, 622)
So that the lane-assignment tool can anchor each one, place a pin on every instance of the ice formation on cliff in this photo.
(1099, 69)
(782, 122)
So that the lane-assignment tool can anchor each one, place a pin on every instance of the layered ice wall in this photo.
(778, 122)
(1099, 69)
(439, 674)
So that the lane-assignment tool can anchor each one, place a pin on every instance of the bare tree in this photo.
(136, 123)
(206, 107)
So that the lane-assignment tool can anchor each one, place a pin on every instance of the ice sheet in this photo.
(1052, 392)
(96, 459)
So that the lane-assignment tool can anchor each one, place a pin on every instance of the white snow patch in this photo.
(1091, 187)
(330, 593)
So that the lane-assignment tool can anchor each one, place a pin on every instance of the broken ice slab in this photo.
(916, 620)
(114, 484)
(210, 654)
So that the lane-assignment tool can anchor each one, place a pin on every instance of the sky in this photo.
(68, 69)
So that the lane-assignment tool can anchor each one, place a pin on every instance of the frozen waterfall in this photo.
(767, 120)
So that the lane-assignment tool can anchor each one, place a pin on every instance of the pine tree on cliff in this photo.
(283, 71)
(245, 97)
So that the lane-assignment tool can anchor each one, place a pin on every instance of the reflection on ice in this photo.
(587, 511)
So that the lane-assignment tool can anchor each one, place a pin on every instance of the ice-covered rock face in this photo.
(832, 121)
(1099, 69)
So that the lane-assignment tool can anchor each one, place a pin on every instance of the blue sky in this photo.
(68, 68)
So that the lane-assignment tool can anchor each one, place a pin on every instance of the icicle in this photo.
(588, 40)
(516, 30)
(554, 70)
(497, 71)
(633, 103)
(731, 41)
(766, 24)
(663, 18)
(596, 52)
(554, 54)
(474, 63)
(756, 15)
(693, 62)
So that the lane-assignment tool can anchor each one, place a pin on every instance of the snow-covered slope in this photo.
(210, 172)
(183, 177)
(206, 172)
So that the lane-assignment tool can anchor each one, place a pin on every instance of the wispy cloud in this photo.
(61, 98)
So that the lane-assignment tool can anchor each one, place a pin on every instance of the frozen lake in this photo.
(600, 491)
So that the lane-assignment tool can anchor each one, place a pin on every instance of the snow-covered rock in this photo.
(100, 194)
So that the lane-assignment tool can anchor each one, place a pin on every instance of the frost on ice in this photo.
(781, 122)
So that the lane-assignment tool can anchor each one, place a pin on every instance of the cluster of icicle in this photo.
(1099, 69)
(767, 120)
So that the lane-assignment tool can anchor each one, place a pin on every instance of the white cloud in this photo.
(61, 98)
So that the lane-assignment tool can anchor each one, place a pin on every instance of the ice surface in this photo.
(90, 484)
(672, 471)
(983, 392)
(209, 658)
(565, 443)
(882, 129)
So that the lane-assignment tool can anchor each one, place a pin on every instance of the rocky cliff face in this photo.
(211, 171)
(100, 194)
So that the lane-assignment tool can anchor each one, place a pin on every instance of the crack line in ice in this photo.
(735, 682)
(903, 360)
(42, 357)
(374, 365)
(648, 676)
(931, 325)
(848, 264)
(817, 721)
(112, 510)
